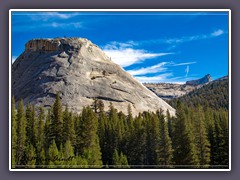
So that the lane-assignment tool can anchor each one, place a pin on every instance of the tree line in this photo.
(196, 137)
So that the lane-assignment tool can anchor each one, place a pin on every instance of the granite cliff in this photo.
(79, 71)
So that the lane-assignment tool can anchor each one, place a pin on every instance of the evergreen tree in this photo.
(201, 140)
(40, 138)
(165, 144)
(21, 135)
(48, 130)
(219, 156)
(30, 156)
(136, 143)
(14, 133)
(57, 123)
(68, 127)
(89, 147)
(53, 155)
(119, 161)
(152, 139)
(69, 157)
(184, 154)
(31, 125)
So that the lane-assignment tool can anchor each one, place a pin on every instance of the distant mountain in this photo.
(80, 72)
(206, 79)
(168, 91)
(214, 94)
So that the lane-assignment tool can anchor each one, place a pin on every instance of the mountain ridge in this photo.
(79, 71)
(168, 91)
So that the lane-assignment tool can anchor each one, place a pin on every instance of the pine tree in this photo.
(111, 134)
(31, 125)
(184, 154)
(53, 155)
(57, 123)
(65, 125)
(201, 140)
(14, 133)
(30, 156)
(165, 152)
(40, 138)
(48, 130)
(152, 139)
(68, 154)
(219, 155)
(223, 116)
(119, 161)
(136, 143)
(21, 135)
(68, 127)
(89, 147)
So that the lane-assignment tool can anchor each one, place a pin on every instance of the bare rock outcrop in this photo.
(79, 71)
(206, 79)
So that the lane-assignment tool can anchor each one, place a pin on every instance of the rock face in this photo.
(168, 91)
(207, 78)
(79, 71)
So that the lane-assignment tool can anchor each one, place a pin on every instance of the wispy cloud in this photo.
(148, 70)
(187, 71)
(164, 78)
(158, 68)
(173, 42)
(65, 25)
(182, 64)
(125, 55)
(154, 79)
(45, 16)
(194, 38)
(217, 33)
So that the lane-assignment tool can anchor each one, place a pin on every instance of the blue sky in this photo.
(152, 46)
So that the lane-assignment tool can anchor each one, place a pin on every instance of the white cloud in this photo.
(45, 16)
(61, 15)
(164, 78)
(148, 70)
(175, 41)
(187, 71)
(193, 38)
(182, 64)
(154, 79)
(217, 32)
(125, 55)
(65, 25)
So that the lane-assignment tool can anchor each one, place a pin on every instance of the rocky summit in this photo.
(79, 71)
(206, 79)
(168, 91)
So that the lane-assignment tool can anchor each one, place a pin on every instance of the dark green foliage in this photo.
(57, 123)
(21, 136)
(14, 133)
(185, 155)
(200, 138)
(152, 139)
(214, 95)
(119, 161)
(196, 138)
(40, 138)
(31, 125)
(68, 127)
(30, 156)
(165, 144)
(88, 146)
